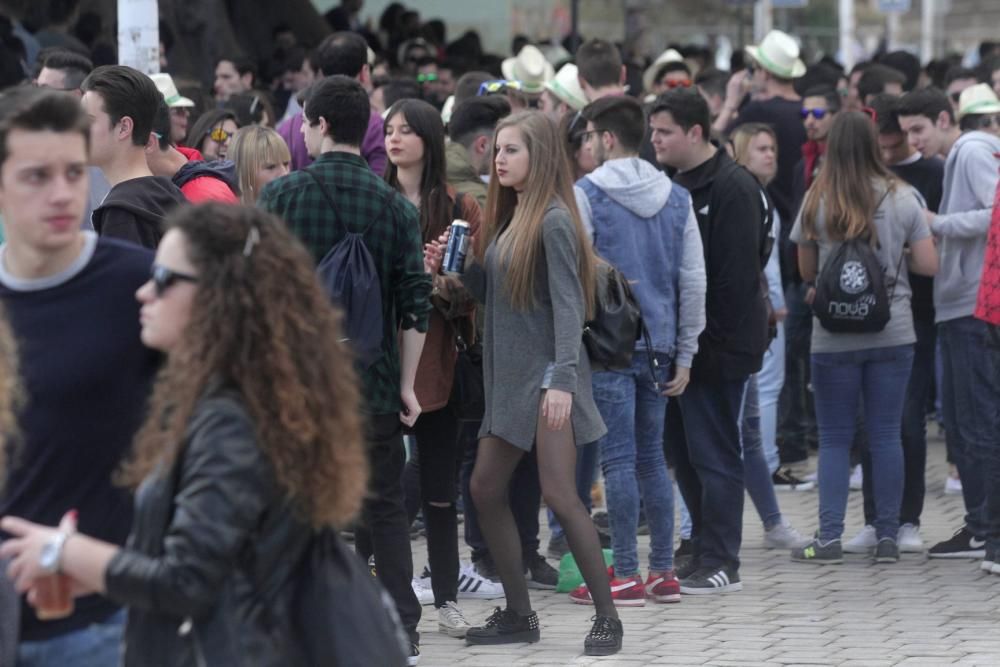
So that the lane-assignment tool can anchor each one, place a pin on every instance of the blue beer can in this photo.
(458, 247)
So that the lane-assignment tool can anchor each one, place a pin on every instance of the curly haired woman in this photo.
(253, 440)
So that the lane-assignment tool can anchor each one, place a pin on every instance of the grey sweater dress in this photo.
(519, 346)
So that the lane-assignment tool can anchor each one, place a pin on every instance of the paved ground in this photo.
(916, 612)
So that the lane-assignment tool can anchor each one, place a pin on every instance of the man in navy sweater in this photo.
(85, 376)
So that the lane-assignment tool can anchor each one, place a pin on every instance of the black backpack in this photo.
(349, 276)
(851, 295)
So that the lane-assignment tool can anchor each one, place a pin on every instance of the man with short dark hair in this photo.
(955, 81)
(337, 117)
(644, 225)
(470, 149)
(344, 53)
(234, 75)
(121, 103)
(961, 227)
(200, 181)
(711, 83)
(702, 427)
(600, 69)
(70, 300)
(880, 80)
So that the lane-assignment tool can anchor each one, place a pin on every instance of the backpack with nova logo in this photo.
(350, 278)
(851, 294)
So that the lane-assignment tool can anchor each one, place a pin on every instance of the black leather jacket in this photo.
(210, 535)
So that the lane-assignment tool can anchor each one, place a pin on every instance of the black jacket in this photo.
(727, 203)
(208, 536)
(134, 210)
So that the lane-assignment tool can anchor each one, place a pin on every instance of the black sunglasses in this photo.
(164, 278)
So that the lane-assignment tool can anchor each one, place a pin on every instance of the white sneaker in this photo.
(952, 486)
(475, 586)
(784, 536)
(423, 592)
(909, 538)
(451, 621)
(856, 481)
(863, 542)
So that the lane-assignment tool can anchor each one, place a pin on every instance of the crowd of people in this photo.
(815, 254)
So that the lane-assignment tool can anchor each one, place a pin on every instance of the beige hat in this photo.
(566, 86)
(778, 53)
(165, 84)
(530, 68)
(978, 99)
(668, 56)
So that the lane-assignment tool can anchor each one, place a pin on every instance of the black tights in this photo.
(495, 465)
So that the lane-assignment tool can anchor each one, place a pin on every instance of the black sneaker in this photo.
(505, 626)
(685, 548)
(686, 566)
(487, 569)
(605, 636)
(558, 547)
(539, 574)
(820, 553)
(710, 580)
(784, 480)
(414, 658)
(990, 558)
(887, 551)
(963, 544)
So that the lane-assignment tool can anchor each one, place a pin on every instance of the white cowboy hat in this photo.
(566, 86)
(165, 84)
(530, 68)
(668, 56)
(778, 53)
(449, 106)
(978, 99)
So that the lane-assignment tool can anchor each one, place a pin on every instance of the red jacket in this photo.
(988, 306)
(202, 181)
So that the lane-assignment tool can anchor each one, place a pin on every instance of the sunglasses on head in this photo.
(219, 135)
(818, 114)
(164, 278)
(681, 83)
(498, 86)
(429, 77)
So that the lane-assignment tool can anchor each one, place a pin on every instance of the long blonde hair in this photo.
(548, 179)
(254, 146)
(9, 395)
(846, 181)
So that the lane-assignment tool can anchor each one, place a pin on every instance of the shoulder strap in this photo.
(336, 209)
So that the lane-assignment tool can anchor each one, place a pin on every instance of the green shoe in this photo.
(829, 553)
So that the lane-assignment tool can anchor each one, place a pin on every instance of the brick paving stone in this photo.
(916, 613)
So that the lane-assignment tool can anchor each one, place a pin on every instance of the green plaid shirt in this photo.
(394, 242)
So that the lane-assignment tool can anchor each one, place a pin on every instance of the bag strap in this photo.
(336, 210)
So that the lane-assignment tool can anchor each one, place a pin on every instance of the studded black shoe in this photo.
(605, 637)
(505, 626)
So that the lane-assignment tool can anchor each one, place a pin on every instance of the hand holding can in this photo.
(458, 247)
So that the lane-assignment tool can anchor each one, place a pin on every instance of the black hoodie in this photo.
(726, 201)
(134, 210)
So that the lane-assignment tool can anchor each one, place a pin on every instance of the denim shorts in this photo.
(547, 378)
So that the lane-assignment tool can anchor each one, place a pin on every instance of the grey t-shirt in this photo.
(899, 220)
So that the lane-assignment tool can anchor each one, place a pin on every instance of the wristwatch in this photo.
(51, 557)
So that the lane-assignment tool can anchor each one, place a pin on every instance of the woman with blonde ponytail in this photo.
(535, 274)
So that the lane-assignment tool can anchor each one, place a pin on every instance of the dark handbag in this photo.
(617, 324)
(468, 393)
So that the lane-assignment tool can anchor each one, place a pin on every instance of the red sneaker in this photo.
(625, 592)
(663, 587)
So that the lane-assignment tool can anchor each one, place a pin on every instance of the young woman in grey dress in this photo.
(535, 275)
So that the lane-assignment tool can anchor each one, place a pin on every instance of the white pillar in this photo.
(927, 30)
(892, 21)
(763, 20)
(847, 26)
(139, 35)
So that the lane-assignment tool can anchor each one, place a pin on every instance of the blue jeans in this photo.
(703, 435)
(839, 378)
(967, 403)
(632, 461)
(770, 380)
(756, 471)
(914, 432)
(99, 645)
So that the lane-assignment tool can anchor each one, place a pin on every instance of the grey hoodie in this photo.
(643, 189)
(970, 183)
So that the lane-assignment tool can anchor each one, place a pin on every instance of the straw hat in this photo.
(530, 68)
(978, 99)
(566, 86)
(668, 56)
(165, 84)
(778, 53)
